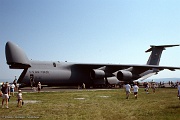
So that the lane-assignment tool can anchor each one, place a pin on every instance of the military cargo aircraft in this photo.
(69, 74)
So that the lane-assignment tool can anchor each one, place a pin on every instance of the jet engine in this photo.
(113, 80)
(123, 75)
(97, 74)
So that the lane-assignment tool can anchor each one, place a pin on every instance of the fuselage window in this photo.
(54, 64)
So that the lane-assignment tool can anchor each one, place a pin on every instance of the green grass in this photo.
(96, 105)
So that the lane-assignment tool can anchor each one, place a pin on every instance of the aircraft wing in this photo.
(123, 71)
(115, 67)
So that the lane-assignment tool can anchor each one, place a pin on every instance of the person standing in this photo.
(32, 80)
(83, 86)
(19, 99)
(39, 87)
(12, 86)
(153, 87)
(128, 90)
(135, 87)
(15, 82)
(6, 92)
(179, 91)
(147, 88)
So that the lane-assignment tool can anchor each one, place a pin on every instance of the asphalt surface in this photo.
(68, 88)
(56, 89)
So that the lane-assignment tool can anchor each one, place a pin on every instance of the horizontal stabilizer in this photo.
(160, 46)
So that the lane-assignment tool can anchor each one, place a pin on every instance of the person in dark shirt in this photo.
(5, 94)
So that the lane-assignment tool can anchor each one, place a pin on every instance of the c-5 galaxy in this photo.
(70, 74)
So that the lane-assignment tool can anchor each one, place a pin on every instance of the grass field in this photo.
(96, 105)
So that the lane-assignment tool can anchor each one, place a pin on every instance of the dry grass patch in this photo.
(96, 105)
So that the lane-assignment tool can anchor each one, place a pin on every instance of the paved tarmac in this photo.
(68, 88)
(46, 89)
(58, 89)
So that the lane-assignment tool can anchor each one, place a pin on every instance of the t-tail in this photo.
(155, 56)
(154, 59)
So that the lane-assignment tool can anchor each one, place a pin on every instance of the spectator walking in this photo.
(135, 87)
(5, 94)
(128, 90)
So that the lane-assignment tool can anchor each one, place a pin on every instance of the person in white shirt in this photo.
(12, 86)
(135, 87)
(39, 87)
(179, 91)
(20, 99)
(147, 88)
(128, 90)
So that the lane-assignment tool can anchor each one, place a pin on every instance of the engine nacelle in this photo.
(97, 74)
(113, 80)
(123, 75)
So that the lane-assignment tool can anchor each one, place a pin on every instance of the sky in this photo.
(90, 31)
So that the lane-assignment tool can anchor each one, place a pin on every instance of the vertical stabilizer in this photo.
(156, 52)
(15, 56)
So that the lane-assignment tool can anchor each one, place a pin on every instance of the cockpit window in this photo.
(54, 64)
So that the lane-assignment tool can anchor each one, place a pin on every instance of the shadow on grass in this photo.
(174, 107)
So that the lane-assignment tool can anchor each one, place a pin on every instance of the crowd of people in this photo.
(7, 90)
(147, 86)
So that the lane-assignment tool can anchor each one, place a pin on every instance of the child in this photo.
(20, 99)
